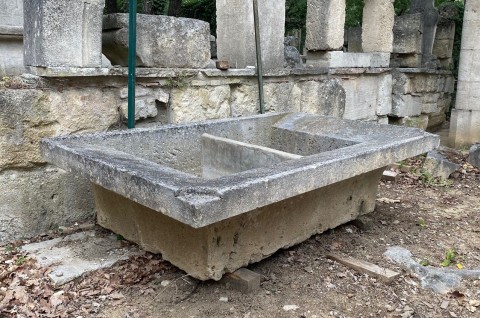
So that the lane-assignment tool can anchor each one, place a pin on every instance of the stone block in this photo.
(474, 155)
(162, 41)
(11, 13)
(354, 39)
(367, 96)
(36, 201)
(224, 157)
(444, 39)
(199, 103)
(438, 165)
(28, 115)
(327, 98)
(420, 121)
(407, 34)
(11, 54)
(147, 102)
(436, 120)
(338, 59)
(406, 60)
(244, 239)
(236, 37)
(243, 280)
(407, 105)
(378, 20)
(464, 128)
(325, 25)
(63, 33)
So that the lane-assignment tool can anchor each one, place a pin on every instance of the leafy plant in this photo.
(424, 262)
(421, 222)
(21, 260)
(450, 256)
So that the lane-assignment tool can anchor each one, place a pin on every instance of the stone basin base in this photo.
(210, 251)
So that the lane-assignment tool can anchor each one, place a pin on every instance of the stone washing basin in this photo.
(215, 196)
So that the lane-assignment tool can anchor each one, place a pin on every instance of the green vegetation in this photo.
(450, 256)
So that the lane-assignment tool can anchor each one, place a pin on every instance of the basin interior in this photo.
(231, 147)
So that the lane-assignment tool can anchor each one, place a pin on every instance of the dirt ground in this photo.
(425, 215)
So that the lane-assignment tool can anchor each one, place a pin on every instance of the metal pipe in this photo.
(132, 59)
(259, 56)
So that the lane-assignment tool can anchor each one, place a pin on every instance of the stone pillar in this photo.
(11, 37)
(325, 25)
(236, 33)
(430, 20)
(378, 20)
(64, 33)
(465, 122)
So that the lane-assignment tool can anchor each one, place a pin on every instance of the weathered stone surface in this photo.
(464, 127)
(162, 41)
(63, 32)
(474, 155)
(236, 37)
(11, 55)
(199, 103)
(292, 56)
(367, 96)
(444, 39)
(11, 37)
(465, 123)
(438, 165)
(35, 201)
(407, 31)
(146, 100)
(77, 254)
(354, 39)
(378, 20)
(407, 105)
(420, 121)
(327, 98)
(11, 13)
(223, 157)
(430, 17)
(209, 252)
(338, 59)
(28, 115)
(325, 25)
(217, 221)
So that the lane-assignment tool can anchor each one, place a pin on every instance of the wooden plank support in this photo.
(383, 274)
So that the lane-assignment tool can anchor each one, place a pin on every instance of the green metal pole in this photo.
(259, 57)
(132, 58)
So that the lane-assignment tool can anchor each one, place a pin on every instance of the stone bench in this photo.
(215, 196)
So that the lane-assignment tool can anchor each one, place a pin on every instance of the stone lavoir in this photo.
(213, 197)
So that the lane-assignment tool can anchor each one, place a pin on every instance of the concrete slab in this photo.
(77, 254)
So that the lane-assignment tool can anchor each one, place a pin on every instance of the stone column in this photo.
(236, 35)
(64, 33)
(465, 122)
(11, 37)
(378, 20)
(325, 25)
